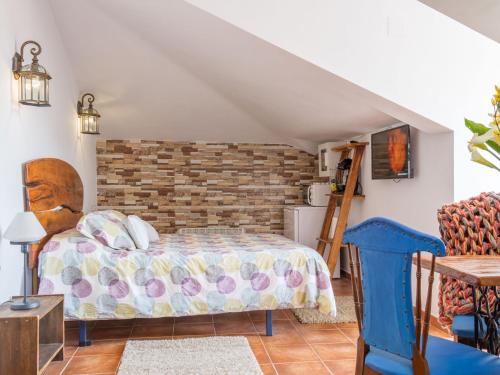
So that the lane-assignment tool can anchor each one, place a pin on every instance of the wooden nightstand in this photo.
(31, 339)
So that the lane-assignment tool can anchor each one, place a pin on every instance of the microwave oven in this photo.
(318, 194)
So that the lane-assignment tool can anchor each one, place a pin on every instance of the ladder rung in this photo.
(341, 195)
(324, 241)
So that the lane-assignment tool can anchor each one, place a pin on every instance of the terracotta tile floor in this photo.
(294, 348)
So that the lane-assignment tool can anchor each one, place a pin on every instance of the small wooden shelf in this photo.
(350, 146)
(31, 339)
(47, 353)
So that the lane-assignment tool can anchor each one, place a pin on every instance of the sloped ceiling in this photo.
(168, 70)
(480, 15)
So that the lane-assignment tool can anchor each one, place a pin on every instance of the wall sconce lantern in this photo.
(88, 116)
(33, 78)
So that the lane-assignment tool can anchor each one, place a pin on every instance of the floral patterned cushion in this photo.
(107, 228)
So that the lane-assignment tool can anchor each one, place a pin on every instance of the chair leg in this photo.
(466, 341)
(369, 371)
(419, 363)
(362, 350)
(84, 341)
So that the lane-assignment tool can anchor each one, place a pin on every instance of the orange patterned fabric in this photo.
(467, 227)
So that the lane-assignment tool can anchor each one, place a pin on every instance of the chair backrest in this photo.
(385, 253)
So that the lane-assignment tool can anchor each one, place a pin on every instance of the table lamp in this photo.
(24, 230)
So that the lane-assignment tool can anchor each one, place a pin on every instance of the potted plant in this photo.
(485, 144)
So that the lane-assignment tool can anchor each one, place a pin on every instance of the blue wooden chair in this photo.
(390, 341)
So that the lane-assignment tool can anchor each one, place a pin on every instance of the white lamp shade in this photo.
(25, 227)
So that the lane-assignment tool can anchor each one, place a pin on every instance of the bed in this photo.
(179, 275)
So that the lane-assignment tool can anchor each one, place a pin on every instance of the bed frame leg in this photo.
(84, 341)
(269, 322)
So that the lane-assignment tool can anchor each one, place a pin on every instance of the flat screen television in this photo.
(391, 154)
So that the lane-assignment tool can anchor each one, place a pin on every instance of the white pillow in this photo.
(108, 228)
(152, 233)
(138, 231)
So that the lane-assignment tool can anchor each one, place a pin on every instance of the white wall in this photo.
(402, 51)
(180, 97)
(413, 202)
(30, 132)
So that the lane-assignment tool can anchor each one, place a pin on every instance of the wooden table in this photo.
(482, 272)
(31, 339)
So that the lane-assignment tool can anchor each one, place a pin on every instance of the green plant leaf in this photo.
(495, 146)
(476, 127)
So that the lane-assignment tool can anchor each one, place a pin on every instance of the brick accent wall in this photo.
(181, 184)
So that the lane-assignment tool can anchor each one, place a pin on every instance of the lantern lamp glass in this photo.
(34, 85)
(89, 121)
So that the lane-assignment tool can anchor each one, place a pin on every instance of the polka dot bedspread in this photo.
(184, 274)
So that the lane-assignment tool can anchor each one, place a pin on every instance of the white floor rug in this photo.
(345, 313)
(200, 356)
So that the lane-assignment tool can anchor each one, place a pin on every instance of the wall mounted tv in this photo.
(391, 154)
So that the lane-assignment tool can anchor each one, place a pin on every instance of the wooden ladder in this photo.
(345, 199)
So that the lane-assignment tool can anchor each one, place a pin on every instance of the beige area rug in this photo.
(345, 313)
(200, 356)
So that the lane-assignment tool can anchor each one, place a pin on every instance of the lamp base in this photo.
(28, 305)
